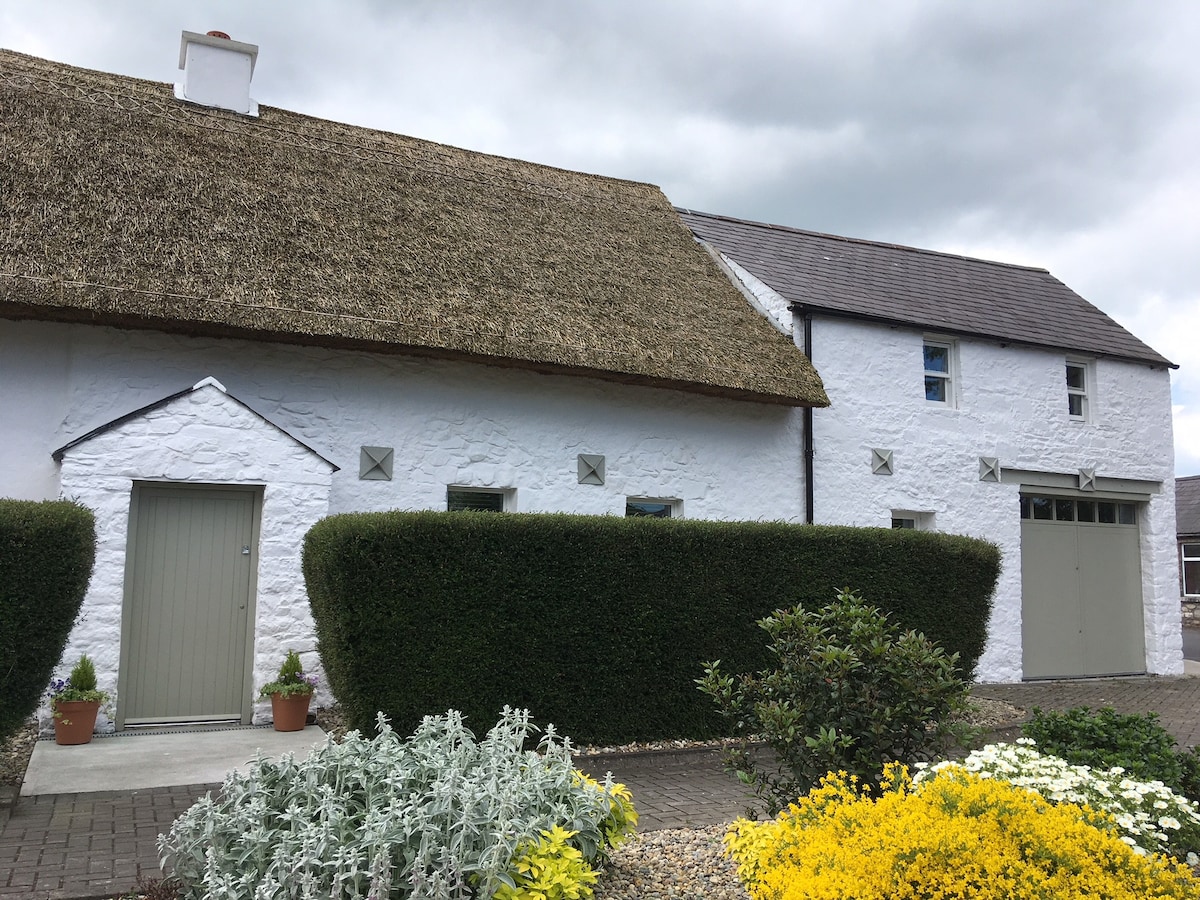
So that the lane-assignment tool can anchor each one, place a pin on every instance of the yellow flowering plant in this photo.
(1147, 815)
(959, 835)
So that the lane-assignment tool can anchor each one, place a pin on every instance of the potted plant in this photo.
(290, 694)
(75, 703)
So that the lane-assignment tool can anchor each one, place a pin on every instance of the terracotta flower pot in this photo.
(75, 720)
(290, 713)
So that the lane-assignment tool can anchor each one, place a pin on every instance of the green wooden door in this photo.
(188, 605)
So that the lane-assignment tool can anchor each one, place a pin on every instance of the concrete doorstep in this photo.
(134, 760)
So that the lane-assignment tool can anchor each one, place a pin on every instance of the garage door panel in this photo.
(1111, 601)
(1081, 588)
(1051, 624)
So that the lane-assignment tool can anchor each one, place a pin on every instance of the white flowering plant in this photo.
(1150, 816)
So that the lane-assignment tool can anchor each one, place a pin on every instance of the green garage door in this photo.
(188, 583)
(1081, 587)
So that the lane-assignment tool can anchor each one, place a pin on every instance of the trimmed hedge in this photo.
(600, 624)
(46, 553)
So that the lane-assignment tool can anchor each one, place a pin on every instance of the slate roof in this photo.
(904, 285)
(1187, 506)
(121, 205)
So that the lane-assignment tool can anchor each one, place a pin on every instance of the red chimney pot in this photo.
(219, 34)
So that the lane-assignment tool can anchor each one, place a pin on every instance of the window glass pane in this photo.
(904, 523)
(653, 508)
(1076, 376)
(1025, 508)
(935, 388)
(1064, 510)
(1127, 514)
(1042, 508)
(1191, 577)
(1191, 551)
(1075, 405)
(937, 359)
(489, 501)
(1107, 512)
(1085, 510)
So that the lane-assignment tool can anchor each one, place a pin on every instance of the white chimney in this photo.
(217, 72)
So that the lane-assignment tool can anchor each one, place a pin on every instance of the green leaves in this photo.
(851, 692)
(439, 815)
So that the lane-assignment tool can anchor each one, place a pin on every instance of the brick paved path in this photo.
(75, 846)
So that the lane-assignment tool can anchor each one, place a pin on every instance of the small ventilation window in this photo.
(650, 508)
(476, 499)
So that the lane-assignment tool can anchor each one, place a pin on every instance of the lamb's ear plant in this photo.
(851, 693)
(439, 815)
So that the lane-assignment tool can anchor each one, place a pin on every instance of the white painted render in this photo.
(203, 437)
(1010, 404)
(450, 423)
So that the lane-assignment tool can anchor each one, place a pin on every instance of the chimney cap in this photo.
(219, 34)
(222, 43)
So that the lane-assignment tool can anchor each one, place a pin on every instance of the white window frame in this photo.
(949, 377)
(674, 505)
(1186, 557)
(1084, 394)
(508, 495)
(916, 519)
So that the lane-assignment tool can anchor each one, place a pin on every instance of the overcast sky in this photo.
(1060, 134)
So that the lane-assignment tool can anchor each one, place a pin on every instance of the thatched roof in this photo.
(124, 206)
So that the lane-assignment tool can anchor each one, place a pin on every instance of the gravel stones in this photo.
(672, 863)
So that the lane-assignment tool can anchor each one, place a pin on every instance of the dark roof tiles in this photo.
(1187, 505)
(936, 291)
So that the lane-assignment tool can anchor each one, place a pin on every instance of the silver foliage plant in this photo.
(439, 815)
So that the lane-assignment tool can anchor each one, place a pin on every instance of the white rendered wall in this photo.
(203, 437)
(450, 424)
(1011, 404)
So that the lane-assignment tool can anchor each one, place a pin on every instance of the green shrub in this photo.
(1107, 738)
(438, 815)
(850, 693)
(46, 555)
(598, 623)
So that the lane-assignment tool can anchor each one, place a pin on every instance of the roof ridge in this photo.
(864, 241)
(357, 141)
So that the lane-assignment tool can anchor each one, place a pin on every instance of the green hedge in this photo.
(600, 624)
(46, 553)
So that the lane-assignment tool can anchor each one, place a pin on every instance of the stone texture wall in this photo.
(449, 423)
(203, 437)
(1011, 404)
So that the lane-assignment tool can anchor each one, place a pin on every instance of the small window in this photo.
(1077, 391)
(1064, 510)
(475, 499)
(939, 368)
(1127, 514)
(654, 509)
(1043, 508)
(907, 518)
(1190, 562)
(1087, 510)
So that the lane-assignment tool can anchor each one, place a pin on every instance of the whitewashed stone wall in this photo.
(1011, 404)
(203, 437)
(449, 423)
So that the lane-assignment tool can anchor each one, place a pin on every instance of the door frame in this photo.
(256, 492)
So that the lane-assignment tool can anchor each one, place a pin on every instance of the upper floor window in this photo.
(1077, 390)
(1190, 561)
(939, 372)
(461, 498)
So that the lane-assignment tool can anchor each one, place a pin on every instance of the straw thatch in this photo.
(124, 206)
